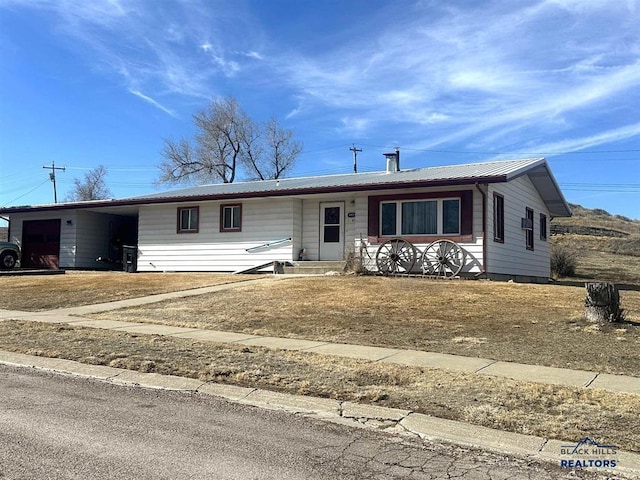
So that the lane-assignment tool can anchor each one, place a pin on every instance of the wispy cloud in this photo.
(253, 54)
(150, 100)
(153, 46)
(583, 143)
(481, 71)
(493, 73)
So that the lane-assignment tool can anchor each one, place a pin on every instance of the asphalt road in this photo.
(62, 427)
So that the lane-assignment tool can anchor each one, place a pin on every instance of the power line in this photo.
(24, 195)
(575, 152)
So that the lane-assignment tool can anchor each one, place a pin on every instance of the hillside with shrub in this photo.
(600, 245)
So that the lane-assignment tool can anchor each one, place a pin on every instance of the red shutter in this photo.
(374, 217)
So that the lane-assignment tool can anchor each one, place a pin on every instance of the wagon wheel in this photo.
(443, 258)
(395, 256)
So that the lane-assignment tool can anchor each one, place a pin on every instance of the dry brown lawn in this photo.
(549, 411)
(533, 324)
(595, 260)
(48, 292)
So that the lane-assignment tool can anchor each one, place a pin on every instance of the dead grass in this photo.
(545, 410)
(596, 260)
(533, 324)
(48, 292)
(598, 218)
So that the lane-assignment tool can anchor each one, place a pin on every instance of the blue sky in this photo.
(84, 83)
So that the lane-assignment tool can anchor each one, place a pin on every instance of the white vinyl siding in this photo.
(311, 228)
(512, 256)
(297, 227)
(263, 221)
(349, 224)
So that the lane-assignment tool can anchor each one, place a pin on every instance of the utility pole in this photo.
(52, 176)
(355, 157)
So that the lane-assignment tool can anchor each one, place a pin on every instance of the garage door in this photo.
(41, 244)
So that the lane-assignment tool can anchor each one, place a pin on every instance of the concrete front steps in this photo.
(314, 268)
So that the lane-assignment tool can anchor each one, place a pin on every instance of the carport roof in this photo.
(486, 172)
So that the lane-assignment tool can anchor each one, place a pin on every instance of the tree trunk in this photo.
(602, 303)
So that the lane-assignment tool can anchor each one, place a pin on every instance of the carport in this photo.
(74, 236)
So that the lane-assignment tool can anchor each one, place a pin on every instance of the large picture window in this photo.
(231, 218)
(420, 217)
(188, 218)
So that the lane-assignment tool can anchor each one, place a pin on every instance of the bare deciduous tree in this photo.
(226, 141)
(92, 187)
(283, 148)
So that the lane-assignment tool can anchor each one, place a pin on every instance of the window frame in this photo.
(466, 197)
(544, 225)
(498, 218)
(439, 217)
(232, 206)
(179, 228)
(529, 233)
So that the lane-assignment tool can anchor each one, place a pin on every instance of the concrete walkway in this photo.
(481, 366)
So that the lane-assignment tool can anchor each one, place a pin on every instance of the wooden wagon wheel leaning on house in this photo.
(442, 258)
(396, 256)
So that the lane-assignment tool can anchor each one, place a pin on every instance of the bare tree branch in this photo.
(283, 148)
(227, 139)
(92, 187)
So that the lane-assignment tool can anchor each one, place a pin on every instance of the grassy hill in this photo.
(606, 246)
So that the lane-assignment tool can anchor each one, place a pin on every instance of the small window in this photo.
(529, 231)
(230, 218)
(451, 216)
(188, 220)
(498, 218)
(388, 220)
(543, 227)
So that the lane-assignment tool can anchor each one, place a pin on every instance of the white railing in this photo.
(269, 244)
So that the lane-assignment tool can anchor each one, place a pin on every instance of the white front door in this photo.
(332, 231)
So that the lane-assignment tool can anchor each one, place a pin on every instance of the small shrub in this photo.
(563, 262)
(354, 264)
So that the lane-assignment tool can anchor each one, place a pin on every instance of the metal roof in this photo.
(468, 172)
(486, 172)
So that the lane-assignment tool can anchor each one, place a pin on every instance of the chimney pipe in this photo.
(393, 161)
